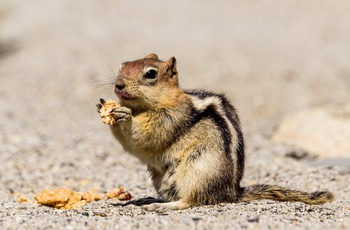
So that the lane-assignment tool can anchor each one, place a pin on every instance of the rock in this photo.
(324, 131)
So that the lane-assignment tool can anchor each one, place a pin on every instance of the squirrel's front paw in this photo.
(100, 105)
(121, 114)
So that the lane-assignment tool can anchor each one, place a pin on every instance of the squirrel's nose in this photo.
(120, 84)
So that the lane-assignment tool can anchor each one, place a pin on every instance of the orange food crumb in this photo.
(22, 199)
(64, 198)
(119, 193)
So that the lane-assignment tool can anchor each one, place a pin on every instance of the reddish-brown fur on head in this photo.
(148, 80)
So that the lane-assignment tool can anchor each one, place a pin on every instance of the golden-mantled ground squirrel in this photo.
(190, 140)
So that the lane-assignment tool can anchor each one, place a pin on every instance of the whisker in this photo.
(104, 89)
(104, 84)
(111, 75)
(115, 75)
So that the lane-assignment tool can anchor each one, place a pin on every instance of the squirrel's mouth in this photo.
(124, 95)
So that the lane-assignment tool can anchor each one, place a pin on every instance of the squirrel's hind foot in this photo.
(168, 206)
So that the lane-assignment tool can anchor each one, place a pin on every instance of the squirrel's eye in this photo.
(150, 74)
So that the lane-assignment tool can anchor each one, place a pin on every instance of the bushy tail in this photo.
(273, 192)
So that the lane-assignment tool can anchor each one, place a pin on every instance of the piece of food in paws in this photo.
(105, 111)
(119, 193)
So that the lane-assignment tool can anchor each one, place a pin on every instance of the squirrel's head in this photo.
(147, 82)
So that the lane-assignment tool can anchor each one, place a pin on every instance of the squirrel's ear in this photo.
(152, 56)
(171, 63)
(171, 67)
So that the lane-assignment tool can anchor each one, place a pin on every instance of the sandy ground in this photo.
(271, 58)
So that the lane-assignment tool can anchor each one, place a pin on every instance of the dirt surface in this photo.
(271, 58)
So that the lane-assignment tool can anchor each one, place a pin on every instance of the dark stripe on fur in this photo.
(209, 113)
(231, 114)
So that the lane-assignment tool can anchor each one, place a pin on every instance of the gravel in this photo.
(270, 58)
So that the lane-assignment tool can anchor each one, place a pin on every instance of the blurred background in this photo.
(271, 58)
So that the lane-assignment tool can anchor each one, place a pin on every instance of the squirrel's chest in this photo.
(141, 141)
(145, 132)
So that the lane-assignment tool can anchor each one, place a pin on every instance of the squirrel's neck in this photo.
(171, 98)
(167, 99)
